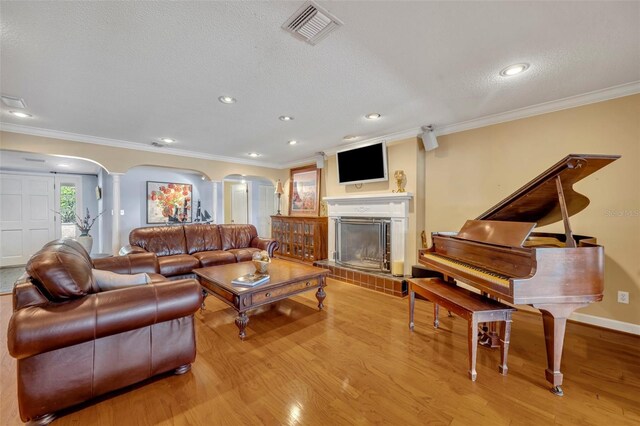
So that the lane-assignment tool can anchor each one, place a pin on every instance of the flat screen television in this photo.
(363, 164)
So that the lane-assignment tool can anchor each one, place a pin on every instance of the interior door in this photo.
(266, 207)
(239, 204)
(26, 216)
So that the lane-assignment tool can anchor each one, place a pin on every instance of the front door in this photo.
(68, 199)
(26, 216)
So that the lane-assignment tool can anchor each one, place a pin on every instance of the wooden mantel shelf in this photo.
(386, 196)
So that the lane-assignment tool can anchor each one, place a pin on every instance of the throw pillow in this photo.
(108, 280)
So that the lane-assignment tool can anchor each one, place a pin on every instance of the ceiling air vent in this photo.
(34, 160)
(311, 23)
(13, 102)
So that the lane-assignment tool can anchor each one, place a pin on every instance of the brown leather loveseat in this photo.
(183, 248)
(74, 342)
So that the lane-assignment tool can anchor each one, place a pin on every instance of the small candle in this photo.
(397, 268)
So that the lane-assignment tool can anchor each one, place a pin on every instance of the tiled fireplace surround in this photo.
(393, 206)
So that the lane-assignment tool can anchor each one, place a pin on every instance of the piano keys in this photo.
(499, 254)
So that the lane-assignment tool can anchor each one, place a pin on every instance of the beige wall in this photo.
(473, 170)
(119, 160)
(407, 155)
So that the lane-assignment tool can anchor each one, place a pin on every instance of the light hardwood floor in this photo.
(358, 363)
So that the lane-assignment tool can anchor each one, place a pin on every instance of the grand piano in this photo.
(499, 254)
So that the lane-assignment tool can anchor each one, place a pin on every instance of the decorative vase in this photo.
(85, 241)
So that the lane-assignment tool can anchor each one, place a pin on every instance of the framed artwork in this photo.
(304, 191)
(168, 202)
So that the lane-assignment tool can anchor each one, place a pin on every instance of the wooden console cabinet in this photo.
(300, 237)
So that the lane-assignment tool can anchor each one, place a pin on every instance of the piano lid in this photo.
(537, 201)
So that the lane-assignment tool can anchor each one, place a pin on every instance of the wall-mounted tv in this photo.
(363, 164)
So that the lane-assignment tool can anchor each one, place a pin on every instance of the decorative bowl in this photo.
(262, 266)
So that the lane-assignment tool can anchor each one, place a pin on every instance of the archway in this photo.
(254, 196)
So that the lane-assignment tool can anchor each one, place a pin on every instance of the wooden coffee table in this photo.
(286, 279)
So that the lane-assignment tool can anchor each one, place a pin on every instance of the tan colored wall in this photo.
(119, 160)
(473, 170)
(404, 155)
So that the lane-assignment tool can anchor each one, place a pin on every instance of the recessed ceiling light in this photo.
(167, 140)
(254, 154)
(292, 142)
(227, 100)
(20, 114)
(350, 138)
(63, 165)
(285, 118)
(372, 116)
(514, 69)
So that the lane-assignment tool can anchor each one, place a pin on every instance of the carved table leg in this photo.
(241, 321)
(204, 296)
(320, 295)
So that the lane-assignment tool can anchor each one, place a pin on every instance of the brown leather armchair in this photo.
(74, 342)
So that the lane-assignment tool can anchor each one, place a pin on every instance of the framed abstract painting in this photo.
(168, 202)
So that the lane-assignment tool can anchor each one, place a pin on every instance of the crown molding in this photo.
(543, 108)
(96, 140)
(391, 138)
(503, 117)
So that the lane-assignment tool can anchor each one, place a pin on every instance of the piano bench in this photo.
(471, 306)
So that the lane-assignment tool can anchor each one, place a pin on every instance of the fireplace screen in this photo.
(363, 243)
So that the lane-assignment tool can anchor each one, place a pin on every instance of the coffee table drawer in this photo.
(280, 292)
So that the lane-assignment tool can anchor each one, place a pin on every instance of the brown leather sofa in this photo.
(183, 248)
(74, 342)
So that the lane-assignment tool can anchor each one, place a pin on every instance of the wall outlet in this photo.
(623, 297)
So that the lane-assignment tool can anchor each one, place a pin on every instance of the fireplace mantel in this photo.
(370, 205)
(388, 205)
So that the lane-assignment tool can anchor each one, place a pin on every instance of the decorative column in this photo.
(115, 218)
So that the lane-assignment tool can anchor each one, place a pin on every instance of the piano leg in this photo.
(412, 303)
(554, 320)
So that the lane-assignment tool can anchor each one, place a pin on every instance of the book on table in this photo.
(250, 280)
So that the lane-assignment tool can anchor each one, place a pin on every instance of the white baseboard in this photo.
(625, 327)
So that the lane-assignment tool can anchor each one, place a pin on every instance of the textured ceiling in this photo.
(139, 71)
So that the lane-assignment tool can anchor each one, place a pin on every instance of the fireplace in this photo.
(363, 243)
(388, 214)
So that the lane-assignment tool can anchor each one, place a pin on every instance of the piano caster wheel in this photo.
(557, 390)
